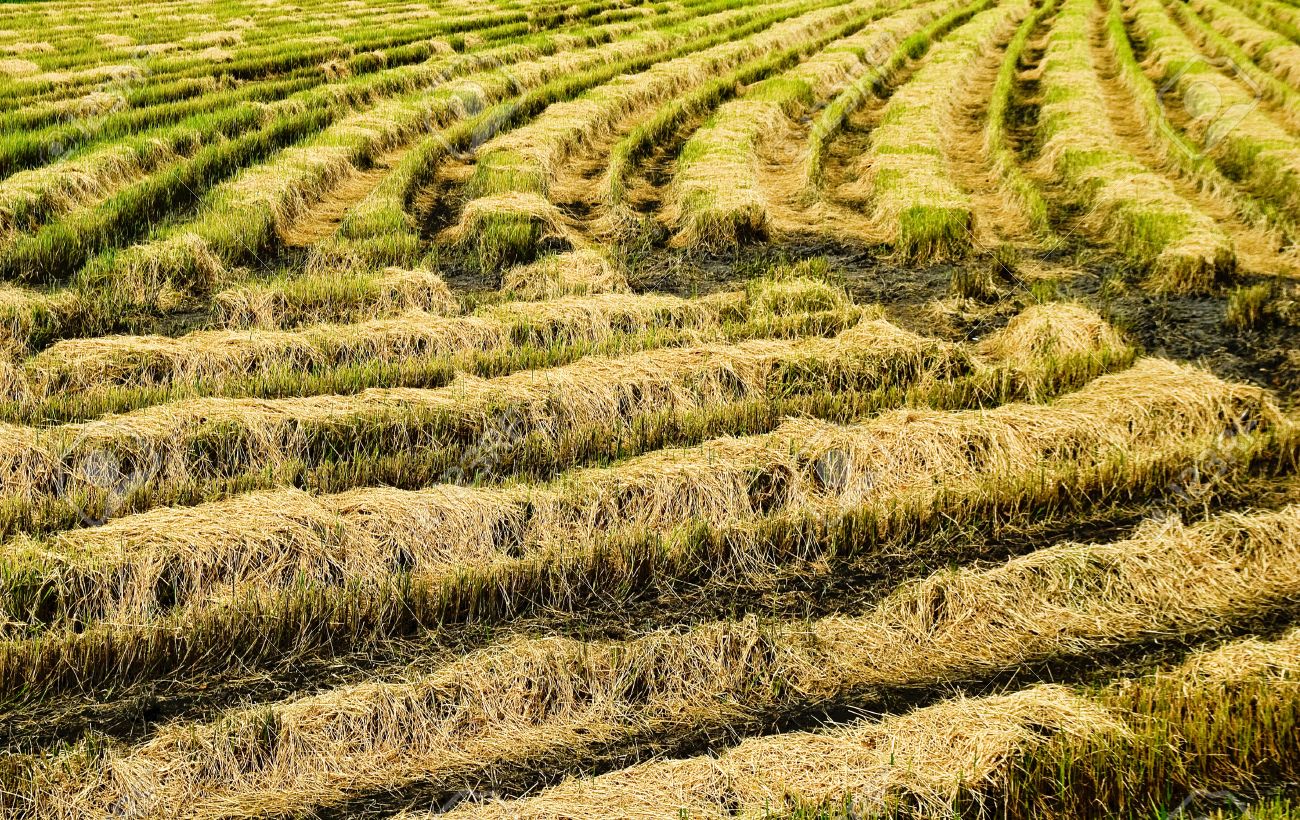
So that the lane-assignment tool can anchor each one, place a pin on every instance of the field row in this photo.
(495, 710)
(648, 408)
(1216, 190)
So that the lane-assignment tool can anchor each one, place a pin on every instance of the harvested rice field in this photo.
(636, 409)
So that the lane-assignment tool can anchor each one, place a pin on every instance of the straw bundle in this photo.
(577, 273)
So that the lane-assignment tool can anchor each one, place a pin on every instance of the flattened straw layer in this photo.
(807, 465)
(568, 319)
(934, 761)
(230, 551)
(152, 360)
(59, 188)
(18, 67)
(781, 297)
(1247, 659)
(22, 311)
(169, 271)
(27, 48)
(104, 73)
(531, 699)
(557, 320)
(803, 467)
(591, 392)
(931, 760)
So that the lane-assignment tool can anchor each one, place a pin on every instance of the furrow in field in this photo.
(241, 220)
(56, 250)
(509, 707)
(837, 136)
(1275, 52)
(164, 275)
(382, 230)
(32, 199)
(165, 98)
(260, 63)
(1124, 202)
(1283, 17)
(966, 149)
(1144, 129)
(397, 76)
(718, 193)
(905, 179)
(29, 199)
(86, 122)
(320, 226)
(998, 143)
(526, 161)
(1224, 118)
(293, 176)
(1280, 98)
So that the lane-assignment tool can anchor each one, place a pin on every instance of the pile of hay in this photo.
(575, 273)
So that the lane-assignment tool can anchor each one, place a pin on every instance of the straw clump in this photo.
(18, 67)
(716, 190)
(575, 273)
(509, 227)
(1055, 330)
